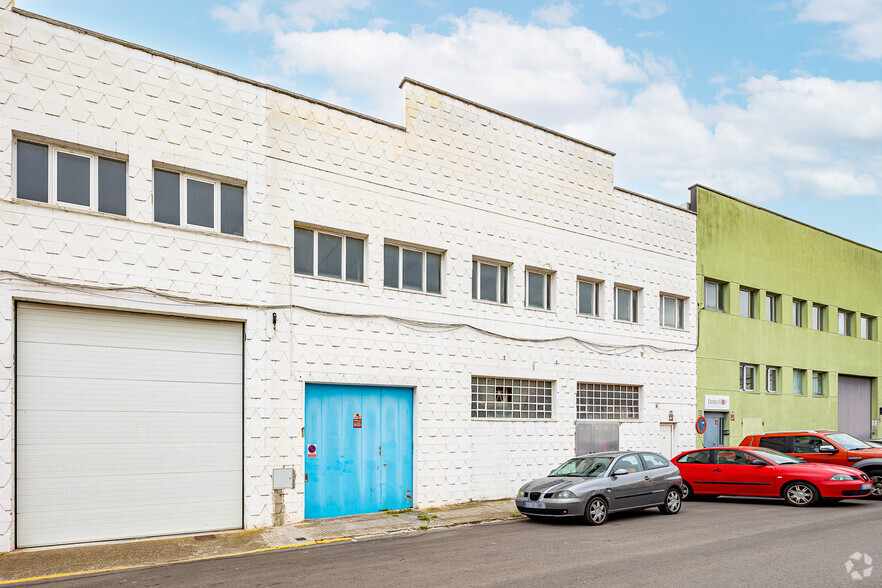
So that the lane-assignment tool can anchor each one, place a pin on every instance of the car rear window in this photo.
(776, 443)
(653, 461)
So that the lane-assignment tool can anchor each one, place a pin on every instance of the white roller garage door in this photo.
(127, 425)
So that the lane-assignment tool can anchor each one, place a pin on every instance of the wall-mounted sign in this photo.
(356, 421)
(671, 416)
(716, 402)
(311, 450)
(700, 425)
(732, 417)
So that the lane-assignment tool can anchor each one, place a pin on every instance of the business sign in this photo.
(716, 402)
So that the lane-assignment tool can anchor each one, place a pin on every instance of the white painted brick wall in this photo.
(455, 176)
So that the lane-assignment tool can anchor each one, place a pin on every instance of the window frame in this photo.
(217, 183)
(773, 307)
(597, 285)
(622, 403)
(510, 388)
(425, 252)
(777, 376)
(751, 302)
(344, 252)
(821, 379)
(547, 293)
(742, 371)
(845, 317)
(719, 299)
(53, 149)
(798, 311)
(801, 383)
(679, 311)
(869, 321)
(819, 318)
(634, 295)
(503, 284)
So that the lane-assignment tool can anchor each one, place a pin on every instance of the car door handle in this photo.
(718, 470)
(645, 477)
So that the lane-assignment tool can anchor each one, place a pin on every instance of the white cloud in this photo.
(642, 9)
(785, 136)
(251, 16)
(859, 24)
(558, 14)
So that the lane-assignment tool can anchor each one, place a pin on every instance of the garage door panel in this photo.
(127, 425)
(63, 427)
(81, 326)
(48, 462)
(83, 361)
(86, 394)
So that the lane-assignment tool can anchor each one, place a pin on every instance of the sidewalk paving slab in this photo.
(82, 559)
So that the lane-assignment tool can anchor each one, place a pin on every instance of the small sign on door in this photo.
(311, 450)
(356, 421)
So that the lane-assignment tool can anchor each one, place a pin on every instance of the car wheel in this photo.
(876, 478)
(688, 493)
(596, 511)
(673, 502)
(800, 494)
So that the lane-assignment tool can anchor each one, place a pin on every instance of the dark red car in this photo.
(756, 471)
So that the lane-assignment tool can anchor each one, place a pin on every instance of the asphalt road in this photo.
(727, 542)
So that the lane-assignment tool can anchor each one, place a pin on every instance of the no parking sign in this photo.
(701, 425)
(311, 450)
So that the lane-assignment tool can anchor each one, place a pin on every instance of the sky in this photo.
(776, 103)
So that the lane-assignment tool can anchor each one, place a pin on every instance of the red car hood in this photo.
(817, 468)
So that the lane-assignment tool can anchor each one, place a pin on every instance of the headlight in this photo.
(841, 478)
(522, 494)
(563, 494)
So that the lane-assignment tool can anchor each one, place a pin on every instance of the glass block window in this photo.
(607, 402)
(506, 398)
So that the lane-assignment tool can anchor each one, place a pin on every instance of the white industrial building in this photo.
(207, 283)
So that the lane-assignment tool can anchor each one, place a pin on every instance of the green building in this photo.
(787, 324)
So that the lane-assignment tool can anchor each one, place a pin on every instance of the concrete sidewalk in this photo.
(59, 562)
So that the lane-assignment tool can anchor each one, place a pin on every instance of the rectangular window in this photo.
(713, 295)
(798, 306)
(317, 253)
(746, 302)
(589, 298)
(607, 402)
(819, 383)
(411, 269)
(626, 304)
(489, 282)
(772, 302)
(538, 290)
(747, 379)
(671, 311)
(772, 380)
(183, 199)
(845, 320)
(819, 315)
(866, 327)
(505, 398)
(81, 179)
(798, 382)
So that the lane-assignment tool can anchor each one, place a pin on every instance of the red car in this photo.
(756, 471)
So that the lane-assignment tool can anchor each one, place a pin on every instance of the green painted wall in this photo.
(743, 245)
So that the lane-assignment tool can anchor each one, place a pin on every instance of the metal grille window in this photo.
(607, 402)
(505, 398)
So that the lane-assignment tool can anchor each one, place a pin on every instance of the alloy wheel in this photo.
(673, 501)
(597, 511)
(800, 494)
(876, 491)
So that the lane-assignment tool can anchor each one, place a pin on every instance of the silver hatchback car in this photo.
(593, 486)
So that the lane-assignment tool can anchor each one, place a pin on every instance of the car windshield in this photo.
(847, 442)
(583, 467)
(777, 457)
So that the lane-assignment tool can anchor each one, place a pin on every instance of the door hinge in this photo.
(306, 477)
(381, 451)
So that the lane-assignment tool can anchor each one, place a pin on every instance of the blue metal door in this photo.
(358, 443)
(713, 434)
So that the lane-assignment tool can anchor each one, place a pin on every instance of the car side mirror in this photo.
(620, 472)
(827, 449)
(758, 462)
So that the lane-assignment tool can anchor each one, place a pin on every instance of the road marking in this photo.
(178, 561)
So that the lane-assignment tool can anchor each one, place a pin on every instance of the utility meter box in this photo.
(283, 478)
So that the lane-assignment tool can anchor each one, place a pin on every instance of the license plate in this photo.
(866, 486)
(535, 505)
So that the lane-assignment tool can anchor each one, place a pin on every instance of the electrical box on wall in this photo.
(283, 478)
